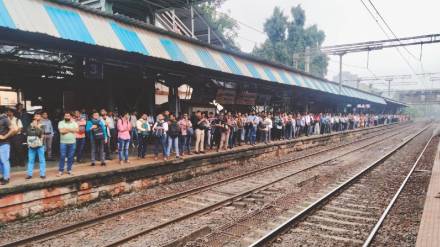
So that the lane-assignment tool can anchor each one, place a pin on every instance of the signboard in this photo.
(246, 98)
(225, 96)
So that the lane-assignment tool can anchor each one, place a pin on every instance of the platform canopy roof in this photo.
(65, 20)
(160, 4)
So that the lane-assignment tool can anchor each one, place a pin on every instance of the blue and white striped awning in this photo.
(78, 24)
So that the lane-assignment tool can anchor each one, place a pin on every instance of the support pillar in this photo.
(151, 96)
(110, 104)
(173, 99)
(340, 73)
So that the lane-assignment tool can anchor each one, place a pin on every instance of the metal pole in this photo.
(340, 72)
(307, 60)
(192, 21)
(389, 88)
(209, 35)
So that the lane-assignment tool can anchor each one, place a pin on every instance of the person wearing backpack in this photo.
(174, 133)
(160, 129)
(143, 130)
(96, 130)
(124, 130)
(35, 142)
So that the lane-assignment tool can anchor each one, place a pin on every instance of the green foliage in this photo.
(287, 41)
(276, 26)
(223, 24)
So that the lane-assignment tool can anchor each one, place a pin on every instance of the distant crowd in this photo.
(107, 133)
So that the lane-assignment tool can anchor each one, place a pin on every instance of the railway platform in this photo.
(429, 231)
(23, 198)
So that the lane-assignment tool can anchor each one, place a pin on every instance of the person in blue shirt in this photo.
(96, 129)
(253, 122)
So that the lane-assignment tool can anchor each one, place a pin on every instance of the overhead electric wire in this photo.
(395, 36)
(387, 35)
(389, 28)
(356, 66)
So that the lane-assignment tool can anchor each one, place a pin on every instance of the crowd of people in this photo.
(107, 133)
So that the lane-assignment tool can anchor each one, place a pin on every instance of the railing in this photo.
(172, 22)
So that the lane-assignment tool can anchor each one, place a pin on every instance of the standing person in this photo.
(25, 117)
(253, 123)
(16, 140)
(143, 129)
(68, 129)
(160, 129)
(166, 115)
(124, 130)
(107, 123)
(173, 136)
(269, 123)
(317, 120)
(5, 133)
(267, 120)
(113, 140)
(307, 123)
(95, 127)
(80, 135)
(232, 130)
(262, 127)
(133, 131)
(186, 134)
(240, 128)
(200, 127)
(222, 130)
(48, 134)
(36, 143)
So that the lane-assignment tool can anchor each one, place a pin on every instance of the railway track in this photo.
(352, 213)
(222, 199)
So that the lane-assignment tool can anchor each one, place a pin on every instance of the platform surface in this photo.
(429, 231)
(18, 175)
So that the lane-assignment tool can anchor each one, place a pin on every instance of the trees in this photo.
(224, 25)
(288, 40)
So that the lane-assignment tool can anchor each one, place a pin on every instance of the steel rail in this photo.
(393, 201)
(293, 220)
(230, 199)
(71, 227)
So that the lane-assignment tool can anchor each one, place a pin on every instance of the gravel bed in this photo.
(401, 225)
(285, 187)
(324, 178)
(335, 224)
(40, 224)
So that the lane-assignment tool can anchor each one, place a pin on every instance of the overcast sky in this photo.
(347, 21)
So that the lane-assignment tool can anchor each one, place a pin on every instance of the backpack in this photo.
(98, 133)
(174, 130)
(262, 125)
(33, 138)
(145, 133)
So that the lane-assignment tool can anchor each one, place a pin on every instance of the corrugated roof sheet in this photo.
(71, 23)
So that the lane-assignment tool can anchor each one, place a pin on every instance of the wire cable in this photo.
(396, 37)
(387, 35)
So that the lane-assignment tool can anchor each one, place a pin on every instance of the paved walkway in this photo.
(429, 231)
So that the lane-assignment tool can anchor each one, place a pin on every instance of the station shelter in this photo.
(65, 56)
